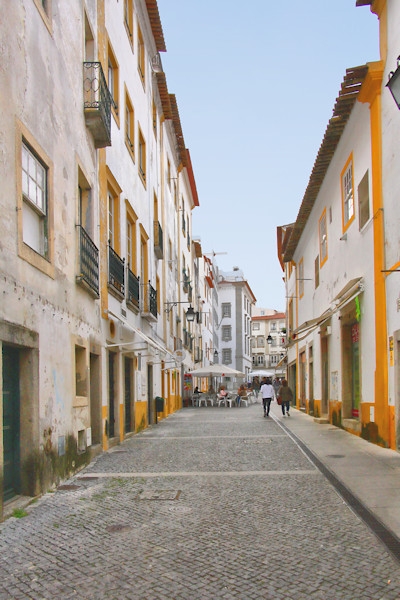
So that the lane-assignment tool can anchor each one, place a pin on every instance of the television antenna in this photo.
(214, 253)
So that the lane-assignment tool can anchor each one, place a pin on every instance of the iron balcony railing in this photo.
(116, 271)
(158, 240)
(149, 300)
(88, 260)
(133, 289)
(97, 103)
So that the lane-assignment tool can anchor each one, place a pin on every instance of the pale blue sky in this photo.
(256, 83)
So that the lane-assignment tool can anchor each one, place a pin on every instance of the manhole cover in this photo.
(68, 487)
(118, 527)
(335, 456)
(159, 495)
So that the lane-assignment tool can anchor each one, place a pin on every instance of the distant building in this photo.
(268, 339)
(235, 305)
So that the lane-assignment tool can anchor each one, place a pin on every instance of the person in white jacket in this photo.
(267, 394)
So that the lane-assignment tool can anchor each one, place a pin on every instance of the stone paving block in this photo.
(249, 502)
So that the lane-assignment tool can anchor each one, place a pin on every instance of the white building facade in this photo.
(235, 304)
(98, 266)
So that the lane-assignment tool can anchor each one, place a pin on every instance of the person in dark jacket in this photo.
(286, 395)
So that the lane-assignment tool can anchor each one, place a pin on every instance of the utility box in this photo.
(159, 404)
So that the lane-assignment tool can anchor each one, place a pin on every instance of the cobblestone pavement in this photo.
(211, 503)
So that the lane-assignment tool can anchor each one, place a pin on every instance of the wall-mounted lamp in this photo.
(394, 83)
(216, 356)
(191, 314)
(269, 339)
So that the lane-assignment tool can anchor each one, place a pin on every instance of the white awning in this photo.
(140, 333)
(350, 291)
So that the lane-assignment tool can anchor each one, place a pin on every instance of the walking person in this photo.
(286, 395)
(267, 394)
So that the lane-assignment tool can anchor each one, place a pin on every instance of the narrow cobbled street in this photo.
(210, 503)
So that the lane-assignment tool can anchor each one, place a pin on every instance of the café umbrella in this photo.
(261, 373)
(216, 371)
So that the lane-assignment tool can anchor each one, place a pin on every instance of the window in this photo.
(34, 209)
(183, 222)
(142, 158)
(256, 326)
(141, 56)
(226, 309)
(113, 81)
(168, 173)
(154, 118)
(129, 125)
(170, 259)
(260, 341)
(85, 208)
(128, 19)
(81, 383)
(273, 359)
(316, 272)
(226, 333)
(347, 193)
(323, 239)
(226, 356)
(131, 242)
(301, 278)
(260, 360)
(113, 212)
(363, 201)
(273, 326)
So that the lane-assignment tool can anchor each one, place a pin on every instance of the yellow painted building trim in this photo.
(379, 7)
(371, 94)
(121, 422)
(104, 417)
(317, 407)
(349, 162)
(140, 416)
(393, 269)
(103, 259)
(392, 428)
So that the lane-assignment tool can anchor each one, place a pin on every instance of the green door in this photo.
(11, 422)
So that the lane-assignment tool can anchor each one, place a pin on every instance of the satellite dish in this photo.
(179, 356)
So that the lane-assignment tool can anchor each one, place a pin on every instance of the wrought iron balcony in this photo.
(186, 281)
(149, 302)
(88, 261)
(158, 240)
(116, 272)
(198, 354)
(133, 289)
(97, 104)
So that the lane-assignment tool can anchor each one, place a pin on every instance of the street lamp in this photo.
(269, 339)
(191, 314)
(394, 83)
(215, 356)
